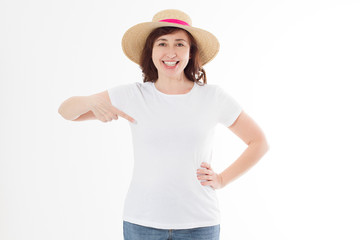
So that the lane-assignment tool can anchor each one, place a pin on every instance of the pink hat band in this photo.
(177, 21)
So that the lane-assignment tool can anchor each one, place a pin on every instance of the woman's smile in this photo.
(170, 64)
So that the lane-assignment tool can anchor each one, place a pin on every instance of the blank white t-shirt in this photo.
(172, 137)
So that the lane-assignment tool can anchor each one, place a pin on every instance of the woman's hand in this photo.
(213, 179)
(104, 110)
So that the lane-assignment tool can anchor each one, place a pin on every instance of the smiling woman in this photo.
(172, 191)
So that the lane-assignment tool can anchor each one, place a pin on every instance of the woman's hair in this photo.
(193, 70)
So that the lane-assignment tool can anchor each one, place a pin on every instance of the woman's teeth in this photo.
(170, 64)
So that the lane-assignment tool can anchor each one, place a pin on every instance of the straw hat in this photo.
(134, 38)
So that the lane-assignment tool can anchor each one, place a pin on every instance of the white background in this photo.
(292, 65)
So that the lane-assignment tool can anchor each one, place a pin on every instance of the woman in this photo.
(172, 193)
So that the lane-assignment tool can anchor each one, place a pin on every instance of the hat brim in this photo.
(134, 39)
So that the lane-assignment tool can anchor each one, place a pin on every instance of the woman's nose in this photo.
(171, 55)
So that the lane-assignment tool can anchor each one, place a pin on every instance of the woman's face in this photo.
(171, 53)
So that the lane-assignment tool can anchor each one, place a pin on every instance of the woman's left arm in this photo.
(246, 129)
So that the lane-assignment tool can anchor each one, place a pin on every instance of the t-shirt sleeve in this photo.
(120, 95)
(228, 109)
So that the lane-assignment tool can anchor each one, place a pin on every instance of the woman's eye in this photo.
(178, 44)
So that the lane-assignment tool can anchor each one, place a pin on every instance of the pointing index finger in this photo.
(122, 114)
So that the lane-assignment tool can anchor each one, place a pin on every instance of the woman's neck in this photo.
(179, 85)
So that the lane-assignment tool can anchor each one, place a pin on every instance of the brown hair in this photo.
(193, 70)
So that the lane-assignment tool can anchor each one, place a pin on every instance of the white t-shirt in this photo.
(172, 137)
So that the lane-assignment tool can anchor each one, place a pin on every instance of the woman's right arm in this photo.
(96, 106)
(75, 106)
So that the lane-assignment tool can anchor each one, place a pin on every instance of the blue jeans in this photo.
(138, 232)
